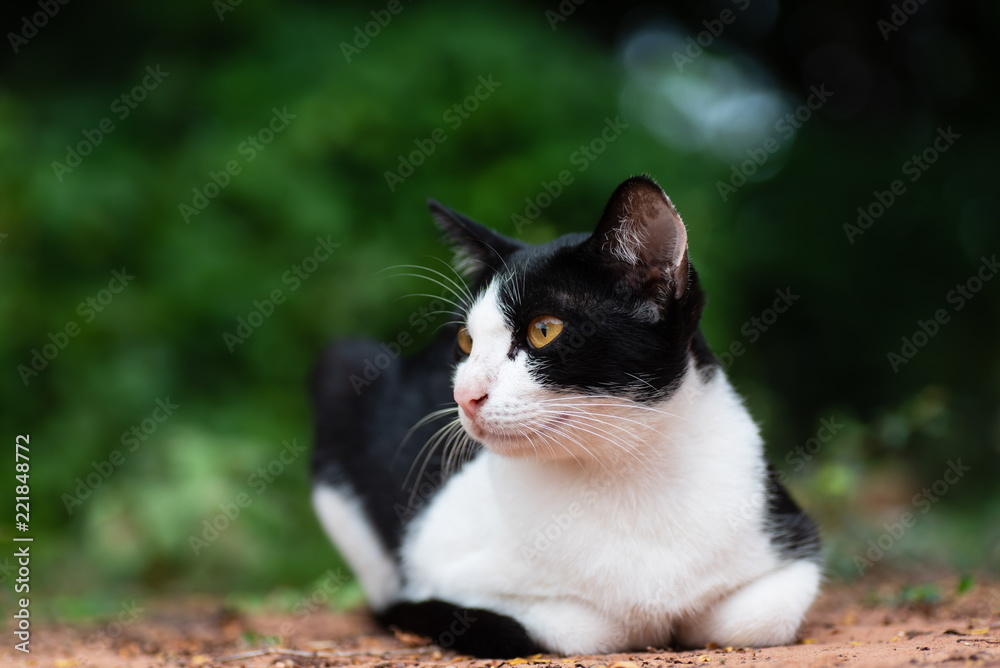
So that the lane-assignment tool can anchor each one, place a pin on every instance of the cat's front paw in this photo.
(766, 612)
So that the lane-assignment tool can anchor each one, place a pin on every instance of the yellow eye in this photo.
(543, 330)
(464, 340)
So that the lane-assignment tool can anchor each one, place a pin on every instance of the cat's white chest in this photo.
(619, 558)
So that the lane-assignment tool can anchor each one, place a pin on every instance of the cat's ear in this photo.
(477, 246)
(641, 233)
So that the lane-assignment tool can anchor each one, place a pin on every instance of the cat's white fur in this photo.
(647, 529)
(343, 519)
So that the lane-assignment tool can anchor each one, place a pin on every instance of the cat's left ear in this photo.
(641, 233)
(478, 247)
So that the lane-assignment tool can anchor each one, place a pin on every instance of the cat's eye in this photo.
(543, 330)
(464, 340)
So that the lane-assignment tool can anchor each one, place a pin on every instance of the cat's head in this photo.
(565, 344)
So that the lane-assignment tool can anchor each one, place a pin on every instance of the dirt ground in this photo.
(891, 621)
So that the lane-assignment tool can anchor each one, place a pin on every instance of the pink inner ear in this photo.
(642, 229)
(665, 239)
(669, 245)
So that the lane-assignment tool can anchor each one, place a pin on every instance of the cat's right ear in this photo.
(476, 247)
(642, 235)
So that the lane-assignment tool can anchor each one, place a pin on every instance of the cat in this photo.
(597, 485)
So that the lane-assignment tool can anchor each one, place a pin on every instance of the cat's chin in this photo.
(499, 441)
(505, 443)
(512, 448)
(508, 445)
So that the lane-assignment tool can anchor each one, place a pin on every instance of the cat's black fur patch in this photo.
(467, 630)
(613, 325)
(360, 424)
(792, 532)
(603, 348)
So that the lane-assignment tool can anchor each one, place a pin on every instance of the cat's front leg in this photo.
(569, 626)
(766, 612)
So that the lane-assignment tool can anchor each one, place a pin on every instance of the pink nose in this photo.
(471, 399)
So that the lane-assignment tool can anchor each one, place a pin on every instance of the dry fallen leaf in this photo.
(808, 641)
(199, 660)
(624, 664)
(411, 639)
(65, 663)
(978, 632)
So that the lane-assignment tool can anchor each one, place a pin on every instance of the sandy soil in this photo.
(888, 622)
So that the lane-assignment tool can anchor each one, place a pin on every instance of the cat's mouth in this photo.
(483, 431)
(526, 435)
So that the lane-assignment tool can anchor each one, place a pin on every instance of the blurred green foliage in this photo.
(323, 177)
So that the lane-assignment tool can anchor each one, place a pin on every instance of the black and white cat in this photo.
(577, 475)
